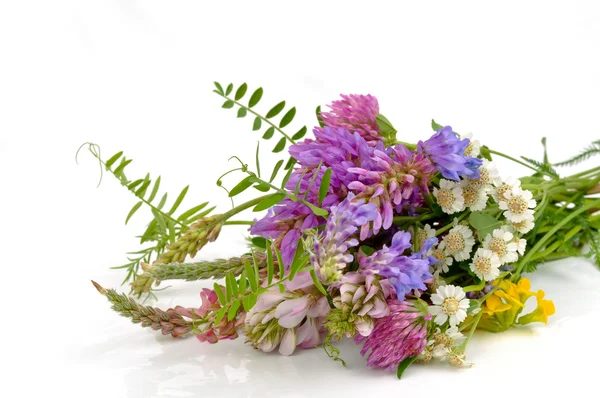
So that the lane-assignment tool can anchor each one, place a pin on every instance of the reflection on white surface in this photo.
(150, 365)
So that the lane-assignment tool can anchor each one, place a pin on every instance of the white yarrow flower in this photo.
(449, 304)
(444, 260)
(517, 204)
(525, 225)
(521, 244)
(500, 242)
(474, 147)
(485, 264)
(502, 187)
(459, 242)
(474, 195)
(425, 233)
(488, 176)
(443, 343)
(449, 196)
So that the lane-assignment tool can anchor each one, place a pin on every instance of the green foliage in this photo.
(435, 126)
(386, 129)
(484, 223)
(587, 152)
(542, 168)
(259, 120)
(164, 228)
(405, 364)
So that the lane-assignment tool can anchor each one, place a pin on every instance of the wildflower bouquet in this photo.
(406, 248)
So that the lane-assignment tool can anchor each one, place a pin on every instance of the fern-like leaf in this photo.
(587, 152)
(543, 168)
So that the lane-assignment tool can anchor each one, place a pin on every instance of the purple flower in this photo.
(405, 273)
(334, 148)
(284, 224)
(355, 113)
(446, 151)
(331, 255)
(392, 180)
(401, 335)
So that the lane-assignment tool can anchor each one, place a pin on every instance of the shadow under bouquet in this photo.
(406, 248)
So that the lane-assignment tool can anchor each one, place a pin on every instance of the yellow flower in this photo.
(544, 309)
(502, 308)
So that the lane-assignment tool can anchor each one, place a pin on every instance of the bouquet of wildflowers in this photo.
(405, 248)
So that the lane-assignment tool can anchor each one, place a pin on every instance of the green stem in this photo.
(475, 323)
(264, 119)
(583, 173)
(450, 224)
(549, 234)
(240, 222)
(513, 159)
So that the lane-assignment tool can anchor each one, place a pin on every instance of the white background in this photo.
(137, 76)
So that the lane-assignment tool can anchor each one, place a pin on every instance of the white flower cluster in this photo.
(500, 247)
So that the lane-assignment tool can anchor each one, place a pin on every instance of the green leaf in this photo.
(290, 163)
(298, 261)
(113, 159)
(249, 301)
(160, 220)
(256, 96)
(192, 211)
(385, 127)
(134, 184)
(257, 160)
(251, 276)
(286, 178)
(231, 284)
(219, 88)
(133, 210)
(274, 111)
(269, 201)
(227, 104)
(324, 185)
(270, 265)
(242, 112)
(318, 112)
(122, 166)
(220, 314)
(269, 133)
(435, 126)
(276, 170)
(241, 91)
(257, 123)
(233, 310)
(220, 294)
(317, 282)
(316, 210)
(229, 88)
(178, 200)
(280, 145)
(241, 186)
(243, 282)
(142, 190)
(262, 187)
(483, 223)
(405, 364)
(279, 262)
(154, 190)
(485, 152)
(162, 202)
(287, 118)
(259, 242)
(301, 133)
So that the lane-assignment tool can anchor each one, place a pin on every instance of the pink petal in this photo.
(291, 312)
(288, 343)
